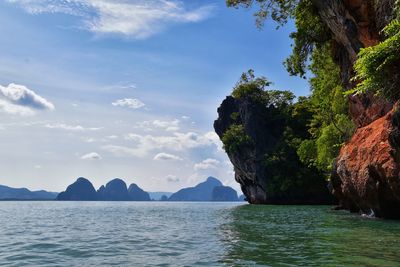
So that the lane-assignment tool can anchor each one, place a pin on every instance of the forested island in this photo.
(346, 134)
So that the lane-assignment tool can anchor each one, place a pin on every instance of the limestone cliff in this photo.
(354, 24)
(366, 173)
(366, 177)
(287, 181)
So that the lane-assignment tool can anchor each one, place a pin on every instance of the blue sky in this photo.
(114, 88)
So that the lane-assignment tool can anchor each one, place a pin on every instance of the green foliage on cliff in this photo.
(279, 10)
(235, 138)
(329, 124)
(378, 67)
(250, 86)
(310, 32)
(287, 173)
(254, 89)
(286, 123)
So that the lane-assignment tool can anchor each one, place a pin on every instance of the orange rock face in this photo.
(366, 173)
(365, 109)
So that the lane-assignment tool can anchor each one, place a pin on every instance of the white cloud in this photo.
(172, 178)
(172, 129)
(214, 138)
(121, 86)
(136, 18)
(4, 126)
(142, 145)
(176, 142)
(170, 126)
(129, 102)
(166, 156)
(206, 164)
(120, 151)
(9, 108)
(91, 156)
(19, 100)
(62, 126)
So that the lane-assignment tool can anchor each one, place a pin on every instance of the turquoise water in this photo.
(191, 234)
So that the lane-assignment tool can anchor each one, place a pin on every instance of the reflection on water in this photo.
(307, 236)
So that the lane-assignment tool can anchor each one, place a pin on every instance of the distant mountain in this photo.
(115, 190)
(201, 192)
(158, 195)
(81, 190)
(224, 193)
(9, 193)
(138, 194)
(242, 198)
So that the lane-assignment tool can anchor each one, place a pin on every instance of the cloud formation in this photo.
(19, 100)
(142, 145)
(132, 103)
(167, 125)
(66, 127)
(175, 142)
(120, 151)
(91, 156)
(170, 126)
(172, 179)
(206, 164)
(136, 18)
(166, 156)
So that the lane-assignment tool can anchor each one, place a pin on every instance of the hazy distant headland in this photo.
(117, 190)
(9, 193)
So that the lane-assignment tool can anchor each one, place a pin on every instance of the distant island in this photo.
(117, 190)
(160, 195)
(9, 193)
(210, 190)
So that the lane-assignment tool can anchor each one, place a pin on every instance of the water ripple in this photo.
(191, 234)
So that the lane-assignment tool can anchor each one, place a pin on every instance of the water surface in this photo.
(191, 234)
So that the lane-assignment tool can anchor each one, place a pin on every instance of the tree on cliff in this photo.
(352, 48)
(329, 35)
(330, 125)
(378, 67)
(261, 130)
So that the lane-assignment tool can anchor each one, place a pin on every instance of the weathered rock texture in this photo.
(366, 177)
(265, 128)
(366, 173)
(354, 24)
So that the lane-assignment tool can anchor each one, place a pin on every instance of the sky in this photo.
(125, 88)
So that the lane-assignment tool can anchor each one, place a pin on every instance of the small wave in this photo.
(370, 214)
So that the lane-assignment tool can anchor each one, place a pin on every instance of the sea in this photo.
(191, 234)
